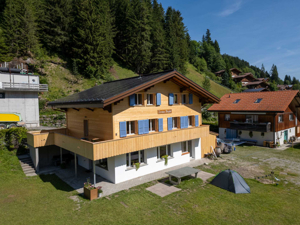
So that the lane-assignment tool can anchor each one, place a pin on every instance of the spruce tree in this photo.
(217, 47)
(20, 17)
(3, 48)
(274, 74)
(55, 25)
(159, 59)
(208, 37)
(93, 40)
(225, 79)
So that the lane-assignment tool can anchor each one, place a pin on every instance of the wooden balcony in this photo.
(110, 148)
(259, 127)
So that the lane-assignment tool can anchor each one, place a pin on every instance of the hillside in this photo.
(62, 82)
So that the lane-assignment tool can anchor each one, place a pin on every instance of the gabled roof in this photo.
(244, 75)
(221, 71)
(110, 92)
(235, 70)
(272, 101)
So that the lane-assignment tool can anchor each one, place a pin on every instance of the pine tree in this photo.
(274, 74)
(217, 47)
(262, 73)
(208, 37)
(93, 40)
(159, 59)
(20, 17)
(218, 63)
(55, 25)
(225, 79)
(3, 48)
(209, 55)
(176, 40)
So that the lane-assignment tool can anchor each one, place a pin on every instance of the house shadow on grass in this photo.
(56, 182)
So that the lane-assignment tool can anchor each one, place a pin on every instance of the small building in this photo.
(234, 72)
(114, 126)
(244, 79)
(283, 87)
(19, 94)
(259, 116)
(256, 84)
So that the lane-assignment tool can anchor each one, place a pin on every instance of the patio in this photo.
(68, 176)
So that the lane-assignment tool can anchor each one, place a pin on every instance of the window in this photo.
(138, 99)
(2, 95)
(86, 128)
(251, 118)
(183, 99)
(190, 121)
(150, 99)
(152, 125)
(258, 100)
(135, 157)
(174, 122)
(227, 117)
(291, 116)
(280, 118)
(175, 99)
(163, 150)
(102, 163)
(183, 146)
(130, 127)
(236, 101)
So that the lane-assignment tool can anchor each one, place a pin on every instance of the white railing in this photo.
(23, 87)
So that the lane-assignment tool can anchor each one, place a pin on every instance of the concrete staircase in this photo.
(27, 165)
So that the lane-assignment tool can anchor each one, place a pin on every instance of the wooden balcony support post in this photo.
(94, 171)
(75, 161)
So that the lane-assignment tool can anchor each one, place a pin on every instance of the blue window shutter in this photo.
(196, 121)
(190, 98)
(123, 129)
(186, 121)
(182, 122)
(160, 125)
(132, 100)
(146, 126)
(158, 99)
(170, 125)
(171, 99)
(141, 126)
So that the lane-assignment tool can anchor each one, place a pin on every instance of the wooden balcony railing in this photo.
(110, 148)
(260, 127)
(23, 87)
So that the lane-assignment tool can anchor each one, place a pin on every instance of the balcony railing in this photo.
(114, 147)
(260, 127)
(23, 87)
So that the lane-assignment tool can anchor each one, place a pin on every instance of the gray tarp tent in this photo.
(231, 181)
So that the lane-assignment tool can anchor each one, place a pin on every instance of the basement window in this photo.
(102, 163)
(163, 150)
(258, 100)
(135, 157)
(236, 101)
(2, 95)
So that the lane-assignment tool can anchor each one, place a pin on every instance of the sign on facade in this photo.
(166, 111)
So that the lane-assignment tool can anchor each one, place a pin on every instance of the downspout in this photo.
(274, 139)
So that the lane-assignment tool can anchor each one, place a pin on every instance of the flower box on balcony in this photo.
(90, 194)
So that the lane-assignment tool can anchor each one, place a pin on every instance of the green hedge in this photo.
(12, 138)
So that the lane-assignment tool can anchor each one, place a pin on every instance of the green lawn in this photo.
(45, 200)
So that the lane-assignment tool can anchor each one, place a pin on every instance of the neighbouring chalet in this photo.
(249, 81)
(259, 116)
(234, 72)
(283, 87)
(112, 126)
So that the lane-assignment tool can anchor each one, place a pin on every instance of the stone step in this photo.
(28, 170)
(27, 166)
(31, 174)
(30, 164)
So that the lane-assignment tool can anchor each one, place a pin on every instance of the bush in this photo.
(12, 138)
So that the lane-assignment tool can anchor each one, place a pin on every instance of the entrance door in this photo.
(286, 135)
(230, 133)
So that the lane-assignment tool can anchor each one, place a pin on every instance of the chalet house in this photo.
(259, 116)
(234, 72)
(113, 126)
(284, 87)
(19, 94)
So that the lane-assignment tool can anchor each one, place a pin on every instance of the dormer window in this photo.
(258, 100)
(236, 101)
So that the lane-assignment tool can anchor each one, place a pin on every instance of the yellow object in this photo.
(9, 117)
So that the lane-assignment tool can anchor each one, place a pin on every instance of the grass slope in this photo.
(215, 88)
(46, 200)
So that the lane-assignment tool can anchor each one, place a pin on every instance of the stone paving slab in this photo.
(162, 190)
(204, 175)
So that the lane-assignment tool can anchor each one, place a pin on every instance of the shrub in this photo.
(165, 157)
(12, 138)
(137, 166)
